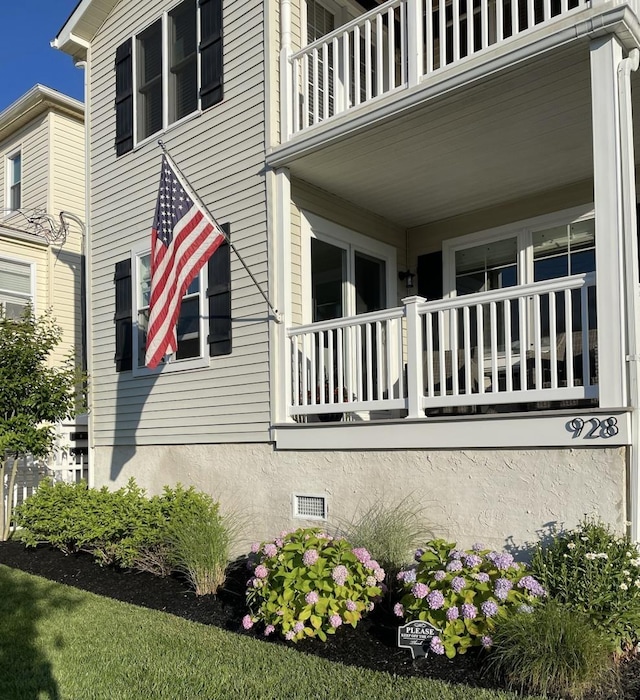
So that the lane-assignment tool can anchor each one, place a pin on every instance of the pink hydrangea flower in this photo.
(339, 574)
(379, 575)
(436, 645)
(312, 597)
(269, 629)
(350, 606)
(261, 571)
(289, 635)
(487, 641)
(361, 554)
(371, 581)
(298, 627)
(398, 610)
(335, 621)
(270, 549)
(310, 557)
(247, 622)
(255, 547)
(369, 606)
(420, 590)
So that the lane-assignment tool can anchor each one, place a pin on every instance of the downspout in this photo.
(630, 238)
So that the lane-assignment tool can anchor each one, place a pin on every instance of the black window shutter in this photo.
(124, 98)
(219, 295)
(123, 316)
(430, 275)
(210, 52)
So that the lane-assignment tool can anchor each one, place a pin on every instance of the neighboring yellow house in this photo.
(42, 174)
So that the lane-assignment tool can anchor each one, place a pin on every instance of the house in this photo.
(42, 175)
(439, 200)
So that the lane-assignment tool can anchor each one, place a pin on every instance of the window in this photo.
(168, 71)
(15, 286)
(14, 180)
(205, 313)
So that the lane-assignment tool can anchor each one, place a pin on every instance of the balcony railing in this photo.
(522, 345)
(398, 44)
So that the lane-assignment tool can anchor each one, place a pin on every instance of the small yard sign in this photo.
(416, 635)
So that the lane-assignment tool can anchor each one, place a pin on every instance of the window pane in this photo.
(550, 241)
(143, 325)
(144, 279)
(551, 268)
(149, 60)
(584, 261)
(488, 266)
(16, 169)
(189, 328)
(370, 284)
(15, 184)
(328, 275)
(15, 277)
(183, 61)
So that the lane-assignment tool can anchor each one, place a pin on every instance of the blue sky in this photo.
(25, 55)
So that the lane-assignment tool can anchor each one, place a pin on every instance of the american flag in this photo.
(182, 240)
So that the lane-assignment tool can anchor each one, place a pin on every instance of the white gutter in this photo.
(630, 242)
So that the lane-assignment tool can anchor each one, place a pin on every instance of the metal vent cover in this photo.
(310, 506)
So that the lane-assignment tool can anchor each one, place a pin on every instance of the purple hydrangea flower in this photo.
(456, 554)
(312, 597)
(532, 586)
(458, 583)
(469, 611)
(487, 641)
(339, 575)
(378, 574)
(477, 546)
(439, 575)
(298, 627)
(501, 588)
(350, 606)
(435, 599)
(455, 565)
(269, 629)
(524, 608)
(270, 550)
(436, 645)
(398, 610)
(419, 590)
(501, 560)
(310, 557)
(472, 560)
(255, 547)
(418, 554)
(278, 542)
(481, 576)
(489, 608)
(247, 622)
(372, 565)
(408, 576)
(361, 554)
(335, 621)
(261, 571)
(453, 613)
(289, 635)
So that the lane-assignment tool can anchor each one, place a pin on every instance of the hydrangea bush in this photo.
(307, 584)
(592, 570)
(463, 593)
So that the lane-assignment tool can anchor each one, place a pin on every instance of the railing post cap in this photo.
(416, 299)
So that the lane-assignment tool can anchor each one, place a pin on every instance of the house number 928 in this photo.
(593, 428)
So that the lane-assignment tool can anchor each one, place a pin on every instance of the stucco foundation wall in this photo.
(499, 497)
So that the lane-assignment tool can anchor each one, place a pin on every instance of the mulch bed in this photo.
(372, 644)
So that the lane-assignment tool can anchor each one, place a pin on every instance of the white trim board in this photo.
(533, 430)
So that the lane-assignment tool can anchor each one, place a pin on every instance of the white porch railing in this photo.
(399, 43)
(527, 344)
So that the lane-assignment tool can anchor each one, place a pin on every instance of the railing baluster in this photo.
(523, 320)
(322, 379)
(442, 36)
(467, 351)
(312, 366)
(391, 48)
(331, 369)
(340, 358)
(400, 346)
(403, 43)
(346, 70)
(379, 54)
(470, 37)
(456, 30)
(359, 370)
(357, 73)
(493, 331)
(429, 39)
(484, 21)
(508, 342)
(515, 18)
(480, 336)
(316, 88)
(453, 331)
(430, 382)
(546, 10)
(568, 315)
(325, 81)
(584, 317)
(499, 20)
(368, 68)
(296, 363)
(531, 13)
(537, 345)
(388, 357)
(553, 341)
(369, 364)
(441, 353)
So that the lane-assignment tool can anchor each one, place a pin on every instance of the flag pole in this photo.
(276, 314)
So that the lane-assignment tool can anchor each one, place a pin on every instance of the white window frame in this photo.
(32, 272)
(166, 126)
(522, 230)
(9, 171)
(314, 226)
(173, 365)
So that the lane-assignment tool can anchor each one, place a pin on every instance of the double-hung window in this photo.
(16, 286)
(168, 71)
(14, 181)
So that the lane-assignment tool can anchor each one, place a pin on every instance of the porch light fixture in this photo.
(407, 277)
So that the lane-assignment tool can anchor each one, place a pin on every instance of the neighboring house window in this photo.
(174, 75)
(16, 289)
(14, 179)
(205, 313)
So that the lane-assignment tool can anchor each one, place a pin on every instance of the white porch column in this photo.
(606, 54)
(279, 226)
(414, 41)
(415, 381)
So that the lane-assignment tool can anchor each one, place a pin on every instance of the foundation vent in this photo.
(310, 507)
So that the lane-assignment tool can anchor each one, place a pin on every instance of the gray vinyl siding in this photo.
(221, 151)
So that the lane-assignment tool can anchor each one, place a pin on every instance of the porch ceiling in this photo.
(517, 132)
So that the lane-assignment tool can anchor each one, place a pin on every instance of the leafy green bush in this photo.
(463, 593)
(553, 650)
(592, 570)
(307, 584)
(200, 539)
(390, 532)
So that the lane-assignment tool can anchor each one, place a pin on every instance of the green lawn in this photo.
(60, 643)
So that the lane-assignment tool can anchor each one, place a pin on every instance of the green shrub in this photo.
(307, 584)
(390, 532)
(552, 650)
(200, 539)
(592, 570)
(463, 593)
